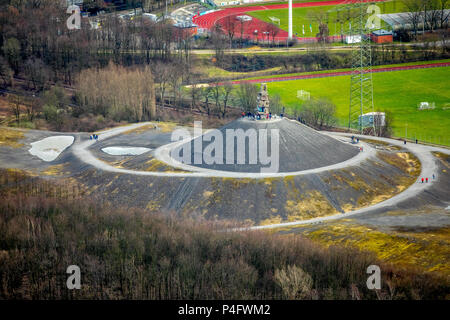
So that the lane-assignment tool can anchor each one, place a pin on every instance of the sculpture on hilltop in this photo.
(262, 101)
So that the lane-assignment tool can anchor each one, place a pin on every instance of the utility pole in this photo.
(290, 20)
(361, 84)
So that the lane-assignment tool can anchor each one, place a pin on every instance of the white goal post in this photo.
(303, 95)
(275, 20)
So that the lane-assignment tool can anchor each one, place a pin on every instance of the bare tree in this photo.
(241, 31)
(6, 72)
(431, 13)
(227, 89)
(247, 93)
(319, 16)
(118, 92)
(37, 72)
(275, 104)
(273, 31)
(11, 50)
(15, 104)
(443, 14)
(217, 39)
(161, 71)
(32, 106)
(216, 94)
(322, 36)
(194, 89)
(206, 94)
(414, 8)
(318, 112)
(230, 24)
(175, 77)
(294, 282)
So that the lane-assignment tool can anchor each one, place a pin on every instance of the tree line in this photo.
(37, 45)
(127, 253)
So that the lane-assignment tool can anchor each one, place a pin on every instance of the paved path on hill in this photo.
(81, 150)
(429, 167)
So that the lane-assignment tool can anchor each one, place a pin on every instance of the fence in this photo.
(421, 137)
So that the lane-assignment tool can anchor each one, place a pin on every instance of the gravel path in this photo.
(422, 152)
(81, 151)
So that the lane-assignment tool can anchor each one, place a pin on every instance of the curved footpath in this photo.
(428, 166)
(81, 151)
(422, 152)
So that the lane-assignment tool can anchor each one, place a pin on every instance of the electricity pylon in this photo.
(361, 85)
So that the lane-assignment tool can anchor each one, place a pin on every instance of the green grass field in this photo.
(348, 69)
(303, 16)
(397, 92)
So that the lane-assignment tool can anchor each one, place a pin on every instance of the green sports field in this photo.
(397, 92)
(304, 16)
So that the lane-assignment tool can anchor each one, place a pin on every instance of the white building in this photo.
(352, 39)
(369, 118)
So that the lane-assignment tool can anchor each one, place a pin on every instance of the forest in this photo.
(129, 253)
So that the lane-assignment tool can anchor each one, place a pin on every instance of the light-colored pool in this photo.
(125, 151)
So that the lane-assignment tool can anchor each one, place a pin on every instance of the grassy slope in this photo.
(426, 250)
(300, 17)
(398, 92)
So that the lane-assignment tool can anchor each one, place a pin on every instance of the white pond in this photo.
(125, 151)
(50, 148)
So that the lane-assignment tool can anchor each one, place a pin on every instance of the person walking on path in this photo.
(422, 180)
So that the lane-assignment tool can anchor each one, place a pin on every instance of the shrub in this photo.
(294, 282)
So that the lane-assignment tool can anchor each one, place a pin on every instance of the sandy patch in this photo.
(50, 148)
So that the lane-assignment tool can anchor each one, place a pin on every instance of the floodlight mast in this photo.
(361, 84)
(290, 20)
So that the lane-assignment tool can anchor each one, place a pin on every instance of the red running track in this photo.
(345, 73)
(207, 21)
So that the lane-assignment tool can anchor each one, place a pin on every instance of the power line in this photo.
(361, 83)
